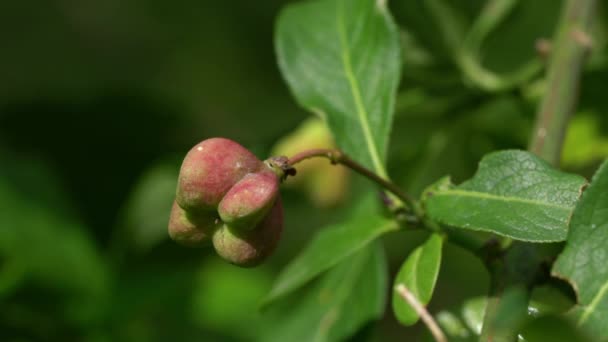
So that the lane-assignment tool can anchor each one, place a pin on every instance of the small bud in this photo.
(249, 200)
(209, 170)
(183, 230)
(250, 248)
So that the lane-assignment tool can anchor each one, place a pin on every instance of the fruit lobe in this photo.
(249, 200)
(250, 248)
(226, 195)
(209, 170)
(184, 231)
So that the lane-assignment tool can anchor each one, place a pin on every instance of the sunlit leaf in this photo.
(453, 326)
(514, 194)
(584, 143)
(473, 311)
(348, 296)
(418, 273)
(341, 61)
(328, 248)
(584, 259)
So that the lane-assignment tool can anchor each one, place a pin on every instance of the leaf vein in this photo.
(484, 195)
(591, 307)
(356, 93)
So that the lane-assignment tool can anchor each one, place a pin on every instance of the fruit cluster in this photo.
(229, 197)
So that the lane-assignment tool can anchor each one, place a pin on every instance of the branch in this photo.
(568, 53)
(464, 240)
(338, 157)
(571, 44)
(426, 317)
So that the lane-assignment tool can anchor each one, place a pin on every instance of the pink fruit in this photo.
(190, 231)
(249, 200)
(209, 170)
(250, 248)
(227, 195)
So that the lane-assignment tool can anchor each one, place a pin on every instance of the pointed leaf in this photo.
(513, 193)
(348, 296)
(419, 274)
(584, 259)
(473, 311)
(452, 325)
(147, 210)
(327, 249)
(341, 61)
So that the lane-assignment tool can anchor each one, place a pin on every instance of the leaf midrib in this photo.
(593, 304)
(362, 114)
(485, 195)
(414, 285)
(288, 286)
(345, 289)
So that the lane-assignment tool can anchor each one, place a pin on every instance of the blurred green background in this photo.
(100, 100)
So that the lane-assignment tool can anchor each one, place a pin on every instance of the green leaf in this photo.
(583, 261)
(348, 296)
(328, 248)
(341, 61)
(545, 300)
(511, 313)
(514, 194)
(41, 243)
(453, 326)
(419, 274)
(584, 143)
(469, 57)
(473, 312)
(552, 328)
(220, 302)
(147, 210)
(464, 322)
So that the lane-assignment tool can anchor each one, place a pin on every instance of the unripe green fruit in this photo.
(249, 200)
(209, 170)
(250, 248)
(188, 230)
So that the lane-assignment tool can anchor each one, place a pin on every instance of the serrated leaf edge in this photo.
(587, 309)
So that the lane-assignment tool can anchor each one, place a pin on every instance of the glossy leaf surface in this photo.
(515, 194)
(583, 261)
(419, 274)
(341, 61)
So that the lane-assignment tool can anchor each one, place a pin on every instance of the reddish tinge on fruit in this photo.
(228, 196)
(188, 230)
(210, 169)
(250, 248)
(249, 200)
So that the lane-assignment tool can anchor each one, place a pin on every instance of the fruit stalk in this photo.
(338, 157)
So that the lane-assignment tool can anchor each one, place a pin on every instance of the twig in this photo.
(339, 157)
(471, 243)
(426, 317)
(568, 54)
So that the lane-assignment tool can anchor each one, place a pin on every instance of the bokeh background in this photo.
(100, 100)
